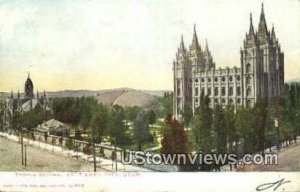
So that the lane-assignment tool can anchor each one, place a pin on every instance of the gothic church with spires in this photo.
(260, 74)
(25, 102)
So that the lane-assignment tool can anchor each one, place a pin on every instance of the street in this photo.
(46, 157)
(37, 159)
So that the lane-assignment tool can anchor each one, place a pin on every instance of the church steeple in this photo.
(207, 52)
(273, 36)
(182, 43)
(262, 27)
(195, 43)
(251, 29)
(181, 53)
(28, 88)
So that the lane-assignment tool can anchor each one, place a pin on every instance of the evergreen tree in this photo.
(219, 126)
(202, 126)
(187, 115)
(141, 129)
(260, 122)
(244, 125)
(230, 125)
(116, 125)
(151, 117)
(99, 122)
(132, 112)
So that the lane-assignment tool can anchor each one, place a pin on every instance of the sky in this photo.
(103, 44)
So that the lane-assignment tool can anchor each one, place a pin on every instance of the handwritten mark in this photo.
(276, 184)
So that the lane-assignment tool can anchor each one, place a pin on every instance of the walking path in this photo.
(47, 157)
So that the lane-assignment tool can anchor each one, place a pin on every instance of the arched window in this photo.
(248, 91)
(208, 91)
(196, 91)
(216, 91)
(223, 91)
(248, 80)
(248, 68)
(238, 91)
(202, 91)
(230, 91)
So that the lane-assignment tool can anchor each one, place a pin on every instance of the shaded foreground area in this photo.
(37, 159)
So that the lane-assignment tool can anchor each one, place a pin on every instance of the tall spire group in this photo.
(261, 71)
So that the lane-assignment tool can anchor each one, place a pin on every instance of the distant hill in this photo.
(86, 93)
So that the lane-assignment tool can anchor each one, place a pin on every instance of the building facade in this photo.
(260, 73)
(25, 102)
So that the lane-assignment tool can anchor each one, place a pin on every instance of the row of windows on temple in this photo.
(223, 101)
(216, 79)
(222, 92)
(212, 102)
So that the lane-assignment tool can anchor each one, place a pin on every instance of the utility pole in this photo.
(94, 151)
(25, 156)
(116, 154)
(22, 151)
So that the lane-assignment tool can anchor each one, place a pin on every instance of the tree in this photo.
(16, 121)
(141, 129)
(244, 125)
(86, 109)
(116, 126)
(260, 120)
(2, 108)
(219, 126)
(230, 127)
(151, 117)
(174, 137)
(202, 126)
(164, 106)
(187, 115)
(66, 110)
(31, 119)
(132, 112)
(99, 122)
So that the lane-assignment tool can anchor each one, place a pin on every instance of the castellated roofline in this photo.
(253, 36)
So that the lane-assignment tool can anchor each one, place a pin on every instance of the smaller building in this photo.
(54, 127)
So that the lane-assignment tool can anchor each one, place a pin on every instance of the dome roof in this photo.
(127, 98)
(135, 98)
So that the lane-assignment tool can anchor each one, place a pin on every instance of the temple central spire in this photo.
(195, 43)
(262, 27)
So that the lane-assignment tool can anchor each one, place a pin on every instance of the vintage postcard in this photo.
(135, 95)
